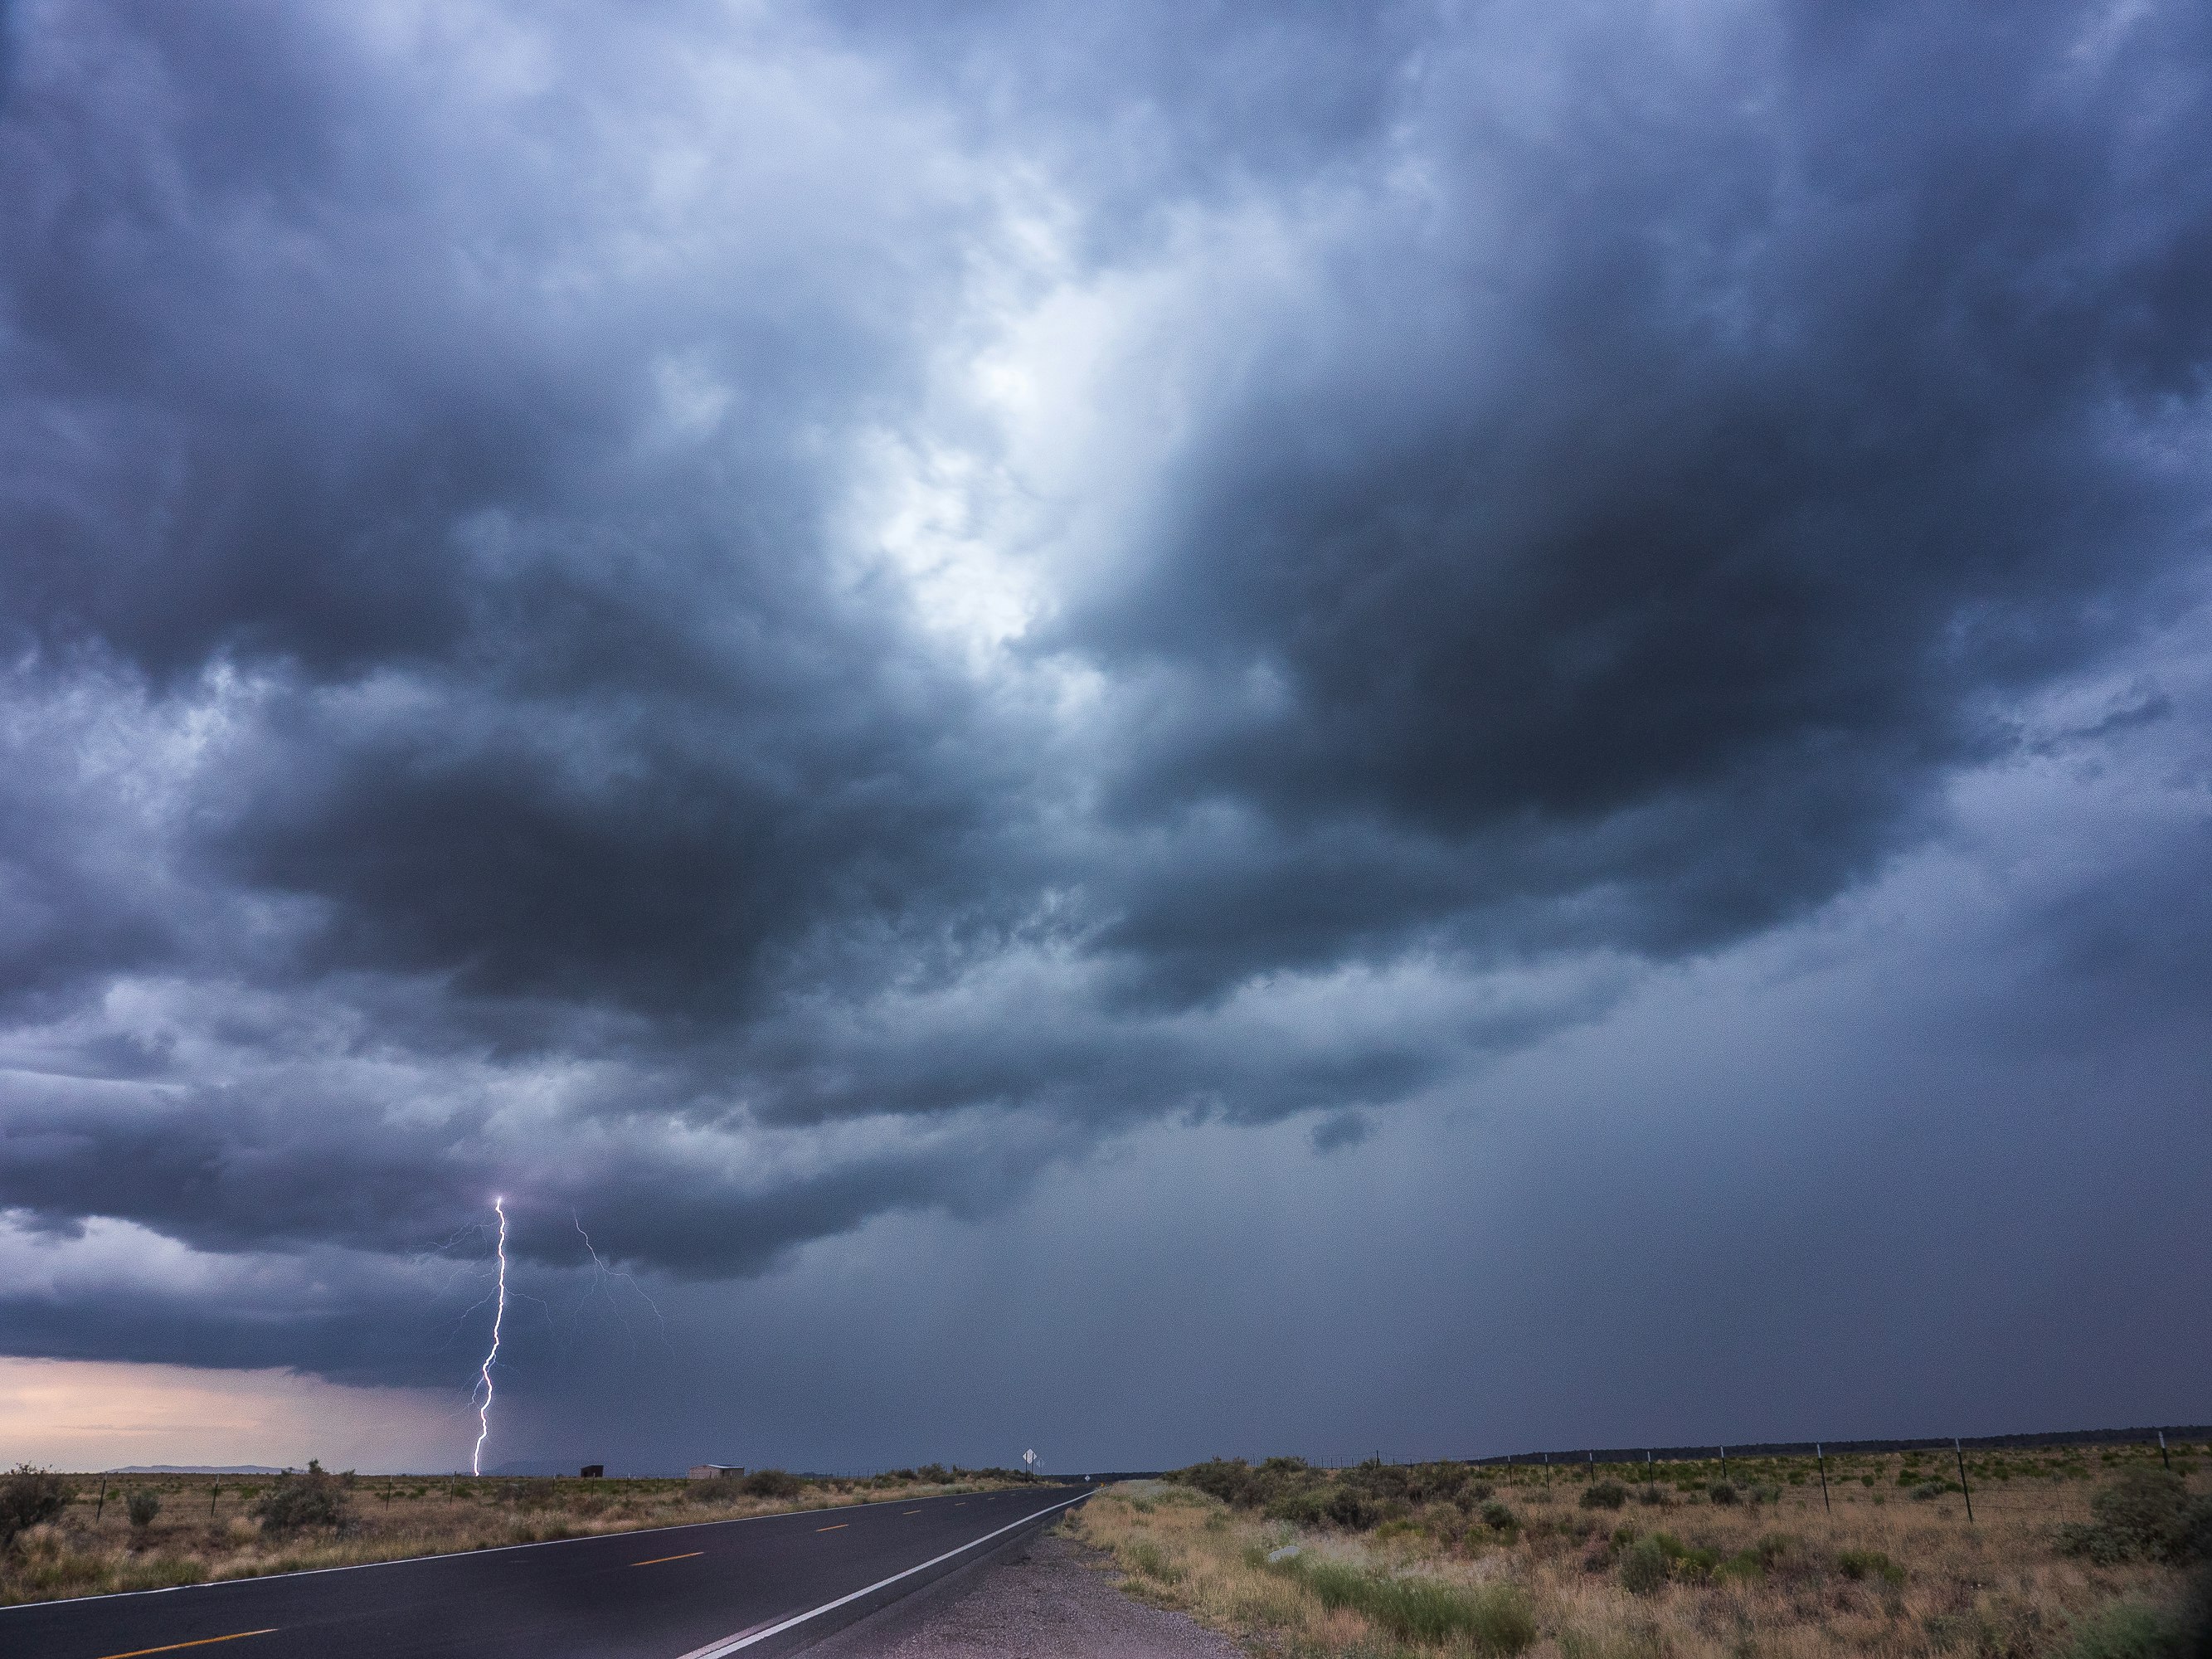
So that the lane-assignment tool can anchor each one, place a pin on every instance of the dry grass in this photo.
(1881, 1573)
(204, 1533)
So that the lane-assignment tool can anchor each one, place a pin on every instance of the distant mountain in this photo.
(196, 1468)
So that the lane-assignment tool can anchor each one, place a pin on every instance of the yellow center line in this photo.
(657, 1559)
(840, 1527)
(171, 1647)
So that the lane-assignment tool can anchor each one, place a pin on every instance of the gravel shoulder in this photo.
(1051, 1597)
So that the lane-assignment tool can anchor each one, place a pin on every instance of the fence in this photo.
(1622, 1456)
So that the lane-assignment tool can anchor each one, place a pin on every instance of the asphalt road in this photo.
(754, 1586)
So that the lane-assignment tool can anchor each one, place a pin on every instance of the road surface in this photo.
(753, 1587)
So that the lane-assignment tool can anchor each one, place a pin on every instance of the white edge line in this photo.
(731, 1643)
(495, 1549)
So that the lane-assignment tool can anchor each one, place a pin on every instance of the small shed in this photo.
(591, 1471)
(716, 1471)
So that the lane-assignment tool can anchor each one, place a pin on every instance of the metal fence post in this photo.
(1820, 1454)
(2162, 1456)
(1960, 1452)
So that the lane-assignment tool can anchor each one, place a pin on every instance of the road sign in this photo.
(1030, 1458)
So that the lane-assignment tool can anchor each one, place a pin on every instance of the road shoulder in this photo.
(1045, 1595)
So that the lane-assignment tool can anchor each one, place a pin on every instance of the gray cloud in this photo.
(1492, 508)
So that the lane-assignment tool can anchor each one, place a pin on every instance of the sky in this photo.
(1148, 730)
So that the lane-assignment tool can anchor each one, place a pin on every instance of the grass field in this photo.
(1447, 1558)
(210, 1528)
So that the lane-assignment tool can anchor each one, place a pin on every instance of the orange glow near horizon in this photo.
(83, 1415)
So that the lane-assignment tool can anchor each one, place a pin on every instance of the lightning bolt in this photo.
(483, 1376)
(604, 1273)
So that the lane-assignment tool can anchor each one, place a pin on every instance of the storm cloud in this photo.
(755, 621)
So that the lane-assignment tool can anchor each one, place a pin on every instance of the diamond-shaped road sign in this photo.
(1029, 1457)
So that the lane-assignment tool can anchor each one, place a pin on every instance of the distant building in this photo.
(716, 1471)
(591, 1471)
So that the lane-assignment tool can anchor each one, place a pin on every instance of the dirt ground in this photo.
(1054, 1598)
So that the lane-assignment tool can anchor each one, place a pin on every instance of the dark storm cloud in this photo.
(1598, 484)
(230, 1175)
(1655, 517)
(559, 703)
(347, 1327)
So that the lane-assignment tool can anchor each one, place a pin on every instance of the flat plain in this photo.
(2086, 1552)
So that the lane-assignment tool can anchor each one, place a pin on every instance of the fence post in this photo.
(102, 1504)
(1723, 1462)
(1547, 1471)
(2162, 1456)
(214, 1493)
(1961, 1453)
(1822, 1456)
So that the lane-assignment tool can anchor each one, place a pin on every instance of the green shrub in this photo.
(1144, 1555)
(1495, 1618)
(2130, 1630)
(1722, 1491)
(1231, 1480)
(1351, 1508)
(1645, 1567)
(1307, 1506)
(1755, 1563)
(297, 1502)
(1861, 1564)
(1604, 1495)
(1498, 1516)
(1651, 1493)
(1692, 1567)
(143, 1506)
(2146, 1515)
(772, 1483)
(2190, 1539)
(27, 1497)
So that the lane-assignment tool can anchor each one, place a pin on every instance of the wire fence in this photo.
(1621, 1459)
